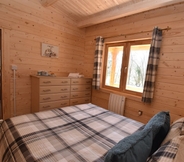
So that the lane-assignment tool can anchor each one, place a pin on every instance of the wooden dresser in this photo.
(54, 92)
(80, 91)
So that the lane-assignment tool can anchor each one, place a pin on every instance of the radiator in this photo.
(116, 103)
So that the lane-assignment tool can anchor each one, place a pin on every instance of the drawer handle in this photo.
(87, 94)
(64, 89)
(64, 81)
(48, 98)
(63, 96)
(47, 82)
(74, 102)
(87, 87)
(46, 106)
(75, 82)
(75, 88)
(75, 95)
(46, 90)
(88, 82)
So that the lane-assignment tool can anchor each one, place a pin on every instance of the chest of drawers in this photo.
(80, 91)
(54, 92)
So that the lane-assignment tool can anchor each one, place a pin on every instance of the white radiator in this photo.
(116, 103)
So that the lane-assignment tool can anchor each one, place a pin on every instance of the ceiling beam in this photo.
(47, 3)
(121, 11)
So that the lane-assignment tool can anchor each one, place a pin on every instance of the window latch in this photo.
(125, 69)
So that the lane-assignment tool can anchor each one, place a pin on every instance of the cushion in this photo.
(134, 148)
(138, 146)
(172, 147)
(176, 129)
(160, 125)
(166, 152)
(179, 154)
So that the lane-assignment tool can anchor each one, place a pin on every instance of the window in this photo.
(125, 66)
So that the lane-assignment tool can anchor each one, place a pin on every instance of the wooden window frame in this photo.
(124, 68)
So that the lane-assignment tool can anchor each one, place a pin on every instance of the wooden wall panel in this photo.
(25, 24)
(169, 92)
(100, 98)
(6, 75)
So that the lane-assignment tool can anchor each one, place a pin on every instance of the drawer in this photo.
(54, 89)
(80, 87)
(80, 94)
(81, 81)
(52, 105)
(54, 97)
(51, 81)
(80, 100)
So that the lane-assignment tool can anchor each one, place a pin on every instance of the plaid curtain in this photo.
(152, 66)
(97, 62)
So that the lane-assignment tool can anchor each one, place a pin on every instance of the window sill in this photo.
(129, 96)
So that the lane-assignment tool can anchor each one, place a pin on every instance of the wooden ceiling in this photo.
(91, 12)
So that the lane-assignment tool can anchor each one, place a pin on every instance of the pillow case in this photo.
(138, 146)
(166, 152)
(134, 148)
(176, 129)
(160, 125)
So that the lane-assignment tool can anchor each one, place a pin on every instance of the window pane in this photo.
(138, 60)
(114, 62)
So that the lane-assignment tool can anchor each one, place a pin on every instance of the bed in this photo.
(80, 133)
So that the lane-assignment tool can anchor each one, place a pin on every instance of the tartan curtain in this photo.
(97, 62)
(152, 66)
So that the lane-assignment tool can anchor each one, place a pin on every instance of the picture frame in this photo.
(48, 50)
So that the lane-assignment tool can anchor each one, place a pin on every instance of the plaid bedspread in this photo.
(81, 133)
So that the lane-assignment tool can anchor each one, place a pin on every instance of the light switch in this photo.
(14, 67)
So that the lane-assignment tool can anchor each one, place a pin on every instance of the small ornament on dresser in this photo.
(45, 73)
(75, 75)
(52, 74)
(39, 72)
(81, 76)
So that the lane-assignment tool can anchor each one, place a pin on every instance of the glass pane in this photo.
(137, 67)
(114, 62)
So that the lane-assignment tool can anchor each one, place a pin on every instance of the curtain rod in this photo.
(168, 28)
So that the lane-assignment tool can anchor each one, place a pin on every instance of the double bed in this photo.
(80, 133)
(89, 133)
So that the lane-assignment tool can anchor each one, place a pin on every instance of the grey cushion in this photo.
(134, 148)
(138, 146)
(160, 125)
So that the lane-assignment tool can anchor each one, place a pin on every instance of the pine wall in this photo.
(169, 92)
(25, 25)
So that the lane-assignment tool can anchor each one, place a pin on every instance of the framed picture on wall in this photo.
(49, 50)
